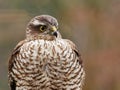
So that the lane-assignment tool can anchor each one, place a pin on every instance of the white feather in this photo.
(37, 22)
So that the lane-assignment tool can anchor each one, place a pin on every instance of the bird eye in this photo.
(43, 28)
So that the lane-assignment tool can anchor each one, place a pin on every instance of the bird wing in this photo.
(16, 50)
(74, 48)
(79, 60)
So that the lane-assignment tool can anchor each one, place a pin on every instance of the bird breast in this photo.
(47, 64)
(46, 57)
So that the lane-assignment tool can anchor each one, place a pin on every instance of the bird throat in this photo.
(41, 37)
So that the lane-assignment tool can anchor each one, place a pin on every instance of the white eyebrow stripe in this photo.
(37, 22)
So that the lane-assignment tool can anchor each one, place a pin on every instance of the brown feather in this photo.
(73, 46)
(14, 52)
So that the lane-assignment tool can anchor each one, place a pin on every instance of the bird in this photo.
(44, 60)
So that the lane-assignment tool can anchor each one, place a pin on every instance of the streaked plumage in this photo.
(45, 61)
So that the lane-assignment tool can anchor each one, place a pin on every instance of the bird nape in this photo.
(44, 60)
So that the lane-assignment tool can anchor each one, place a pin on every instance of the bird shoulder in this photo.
(14, 52)
(75, 49)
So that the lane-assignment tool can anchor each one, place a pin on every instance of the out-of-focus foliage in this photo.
(94, 25)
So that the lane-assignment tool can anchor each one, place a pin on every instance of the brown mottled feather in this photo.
(14, 52)
(11, 62)
(73, 46)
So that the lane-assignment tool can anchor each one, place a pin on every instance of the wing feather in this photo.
(74, 48)
(16, 50)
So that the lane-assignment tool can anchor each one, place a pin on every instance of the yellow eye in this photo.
(43, 28)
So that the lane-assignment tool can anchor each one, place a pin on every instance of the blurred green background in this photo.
(94, 25)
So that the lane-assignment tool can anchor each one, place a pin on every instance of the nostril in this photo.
(55, 34)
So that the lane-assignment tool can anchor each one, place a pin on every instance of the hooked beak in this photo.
(54, 31)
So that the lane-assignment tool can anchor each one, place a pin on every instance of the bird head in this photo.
(43, 25)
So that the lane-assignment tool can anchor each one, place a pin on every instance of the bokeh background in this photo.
(94, 25)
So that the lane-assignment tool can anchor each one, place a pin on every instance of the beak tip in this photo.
(55, 33)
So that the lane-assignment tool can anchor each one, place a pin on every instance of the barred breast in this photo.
(47, 65)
